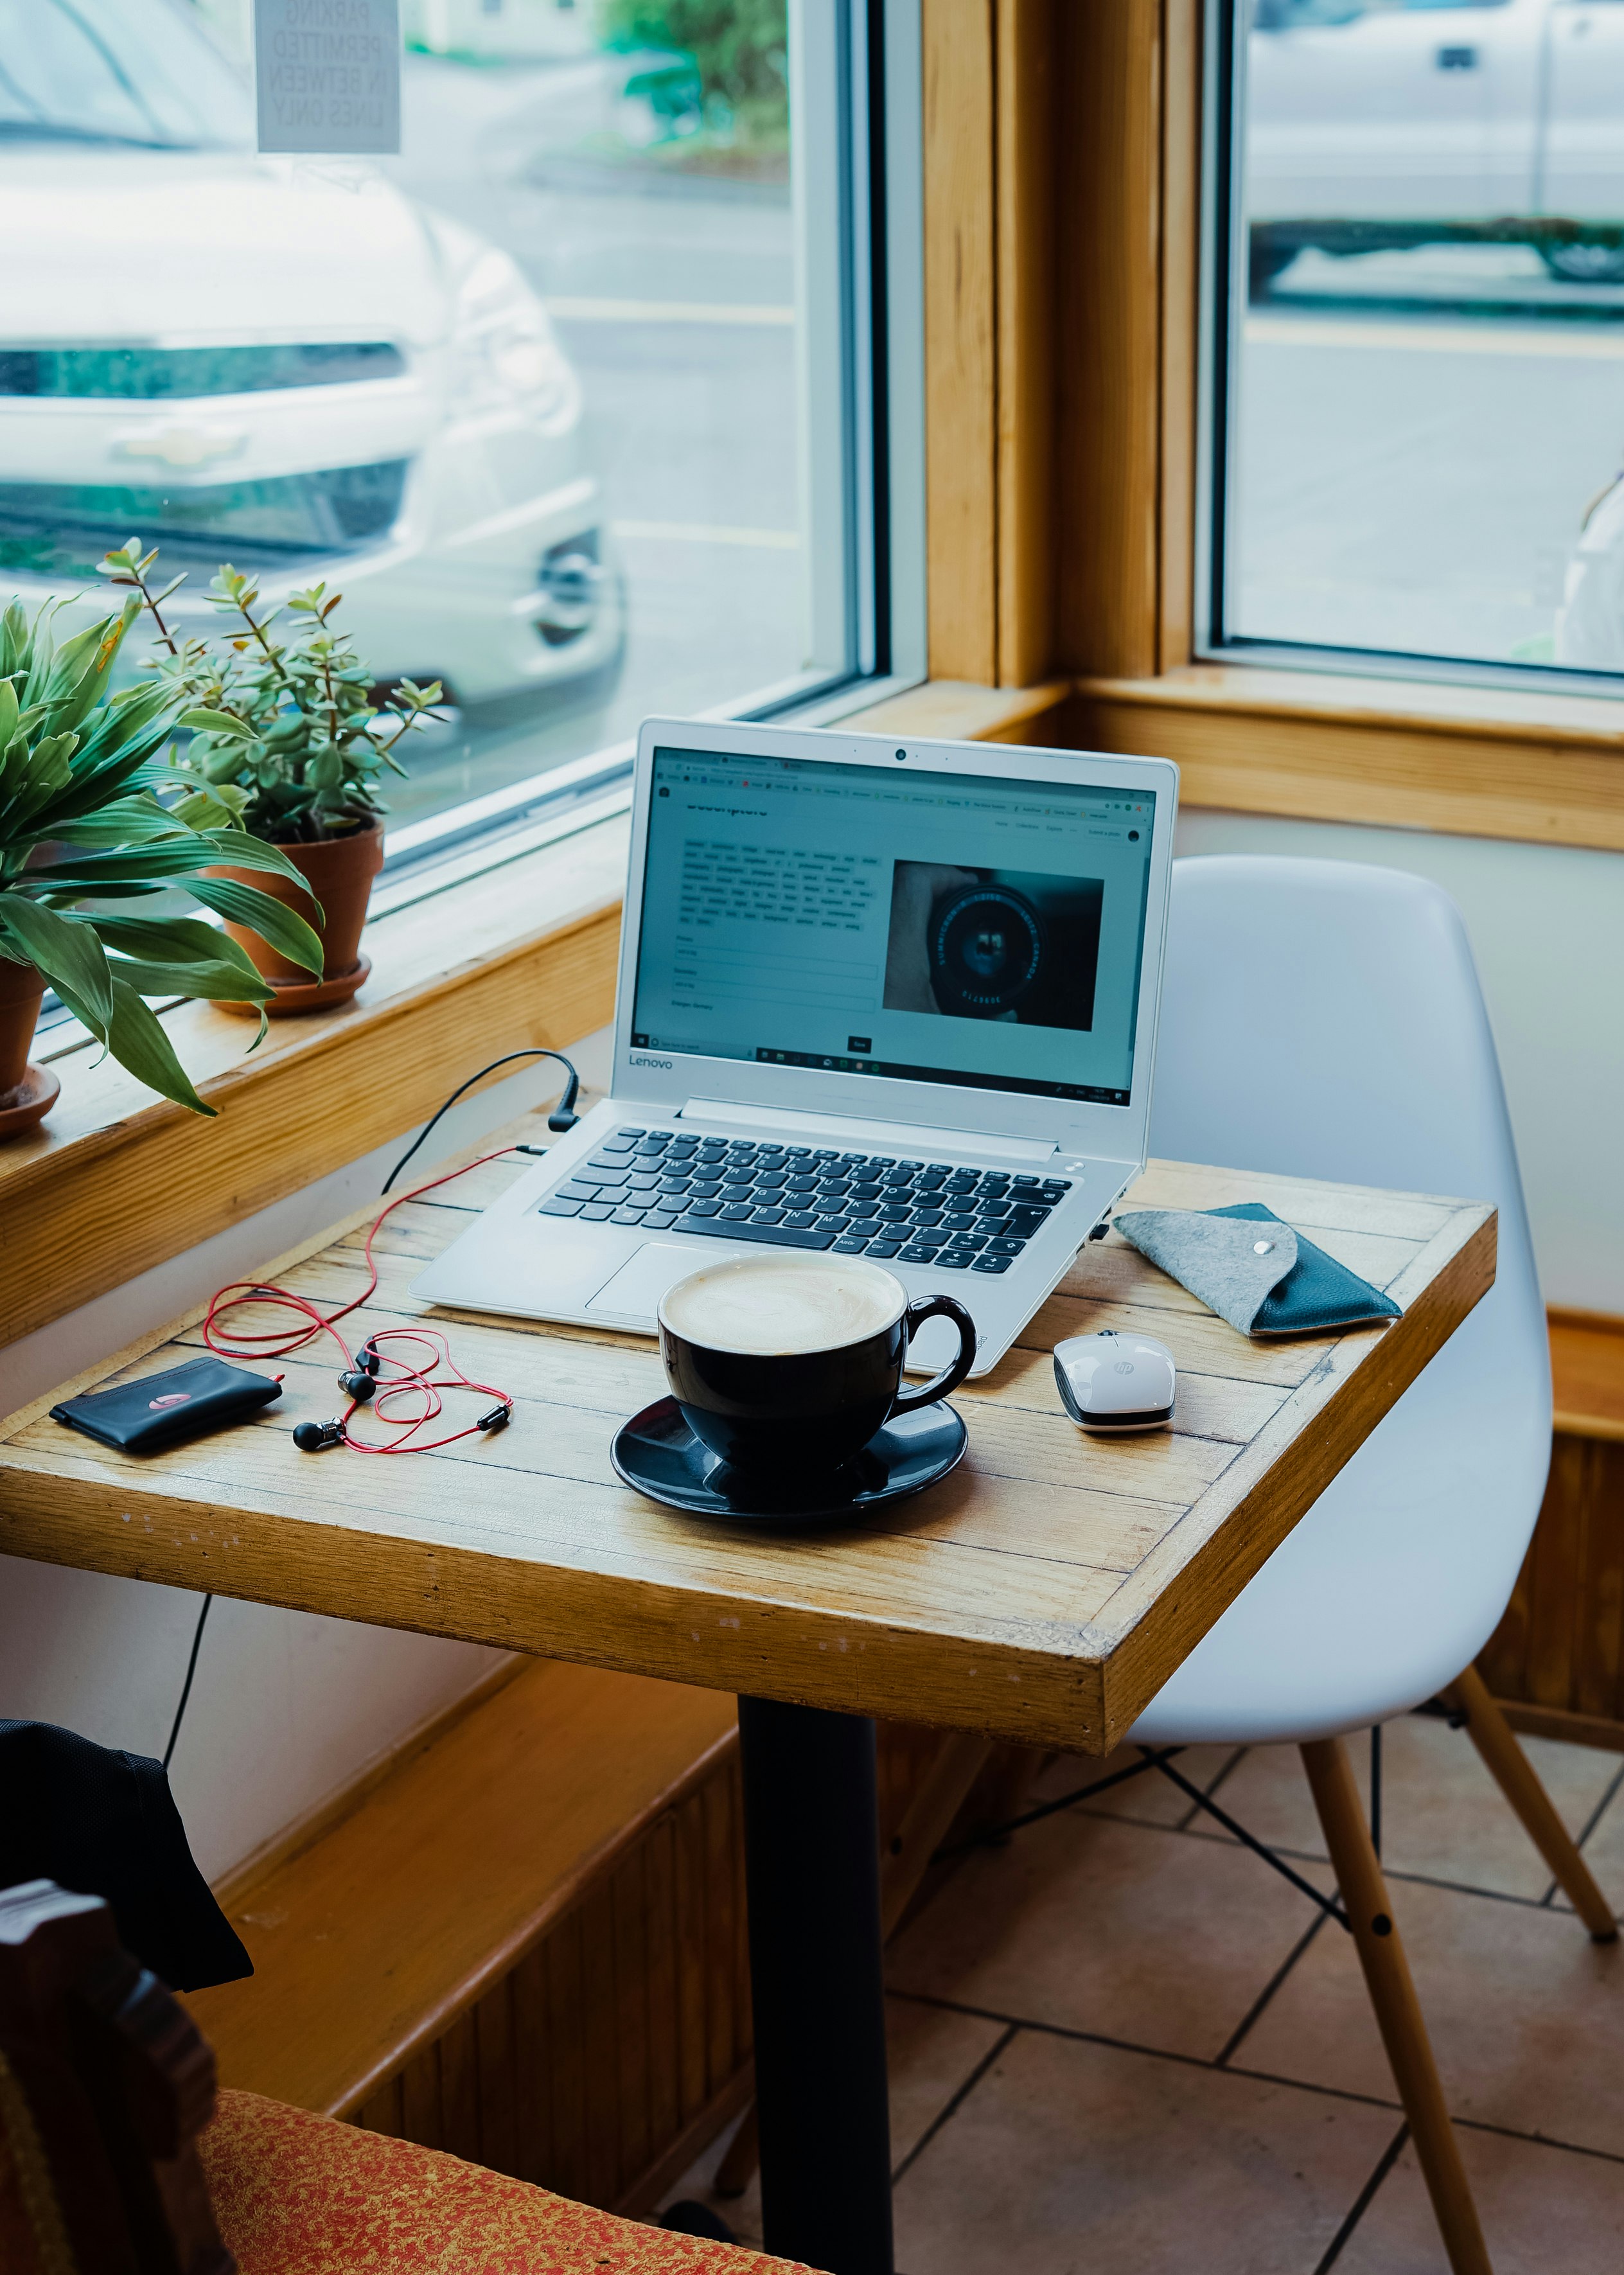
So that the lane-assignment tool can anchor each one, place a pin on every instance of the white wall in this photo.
(1547, 926)
(286, 1707)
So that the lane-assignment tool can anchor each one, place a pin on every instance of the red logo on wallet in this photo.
(171, 1398)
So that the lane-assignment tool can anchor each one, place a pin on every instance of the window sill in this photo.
(1475, 762)
(959, 711)
(118, 1181)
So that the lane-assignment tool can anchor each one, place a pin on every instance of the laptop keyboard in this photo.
(796, 1197)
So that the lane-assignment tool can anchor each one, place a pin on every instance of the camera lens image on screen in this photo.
(1008, 944)
(986, 950)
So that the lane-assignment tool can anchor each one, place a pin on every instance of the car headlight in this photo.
(508, 355)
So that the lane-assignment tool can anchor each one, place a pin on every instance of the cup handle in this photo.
(931, 1307)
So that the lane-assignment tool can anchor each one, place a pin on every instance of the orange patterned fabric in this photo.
(297, 2195)
(19, 2251)
(33, 2239)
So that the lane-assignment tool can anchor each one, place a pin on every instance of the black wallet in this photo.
(165, 1410)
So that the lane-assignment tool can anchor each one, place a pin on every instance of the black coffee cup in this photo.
(795, 1410)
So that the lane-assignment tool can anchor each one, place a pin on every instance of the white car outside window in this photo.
(284, 363)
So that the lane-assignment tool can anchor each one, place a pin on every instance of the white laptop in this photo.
(876, 998)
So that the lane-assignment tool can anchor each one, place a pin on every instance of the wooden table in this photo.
(1043, 1593)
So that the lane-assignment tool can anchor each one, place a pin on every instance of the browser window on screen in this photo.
(950, 928)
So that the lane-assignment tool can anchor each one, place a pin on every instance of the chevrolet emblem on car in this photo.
(182, 446)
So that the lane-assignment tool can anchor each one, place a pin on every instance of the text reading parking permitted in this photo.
(327, 75)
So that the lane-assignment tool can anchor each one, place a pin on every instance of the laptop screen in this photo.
(952, 928)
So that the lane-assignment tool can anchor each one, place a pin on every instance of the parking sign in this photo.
(327, 75)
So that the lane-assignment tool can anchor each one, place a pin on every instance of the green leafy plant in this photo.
(729, 60)
(83, 818)
(284, 737)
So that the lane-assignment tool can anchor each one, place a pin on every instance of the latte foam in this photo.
(775, 1306)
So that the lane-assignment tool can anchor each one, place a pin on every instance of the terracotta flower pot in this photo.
(340, 871)
(27, 1092)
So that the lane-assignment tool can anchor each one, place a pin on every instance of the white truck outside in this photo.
(1372, 125)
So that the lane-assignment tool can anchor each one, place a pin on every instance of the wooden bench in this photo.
(1556, 1661)
(1587, 1375)
(524, 1942)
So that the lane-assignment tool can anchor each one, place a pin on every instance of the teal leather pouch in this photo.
(1255, 1271)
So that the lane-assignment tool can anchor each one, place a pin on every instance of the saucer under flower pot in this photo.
(25, 1105)
(27, 1092)
(339, 872)
(293, 996)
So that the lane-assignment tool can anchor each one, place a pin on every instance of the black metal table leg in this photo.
(812, 1867)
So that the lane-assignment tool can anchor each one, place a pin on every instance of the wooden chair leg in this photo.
(1516, 1775)
(1393, 1995)
(959, 1762)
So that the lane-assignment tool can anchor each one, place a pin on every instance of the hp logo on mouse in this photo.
(1122, 1366)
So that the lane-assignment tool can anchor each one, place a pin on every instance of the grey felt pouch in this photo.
(1254, 1271)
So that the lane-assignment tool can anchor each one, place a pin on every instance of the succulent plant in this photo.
(284, 738)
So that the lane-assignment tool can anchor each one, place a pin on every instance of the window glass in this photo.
(1418, 360)
(533, 395)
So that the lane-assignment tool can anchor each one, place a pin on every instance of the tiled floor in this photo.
(1121, 2044)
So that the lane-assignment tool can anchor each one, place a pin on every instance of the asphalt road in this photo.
(1419, 435)
(674, 302)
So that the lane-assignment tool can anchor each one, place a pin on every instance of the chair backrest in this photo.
(105, 2083)
(1324, 1019)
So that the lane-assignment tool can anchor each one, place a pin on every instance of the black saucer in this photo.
(658, 1454)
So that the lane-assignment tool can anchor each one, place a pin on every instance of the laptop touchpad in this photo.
(635, 1291)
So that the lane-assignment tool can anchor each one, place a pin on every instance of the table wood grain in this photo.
(1042, 1593)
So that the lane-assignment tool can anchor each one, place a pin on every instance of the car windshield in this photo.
(116, 70)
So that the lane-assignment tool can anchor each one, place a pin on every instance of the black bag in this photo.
(104, 1824)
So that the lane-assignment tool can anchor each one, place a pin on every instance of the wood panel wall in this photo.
(620, 2043)
(1556, 1661)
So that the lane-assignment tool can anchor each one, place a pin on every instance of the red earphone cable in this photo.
(427, 1381)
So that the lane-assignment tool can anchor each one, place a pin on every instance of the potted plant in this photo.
(81, 818)
(285, 734)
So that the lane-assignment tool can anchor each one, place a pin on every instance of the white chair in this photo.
(1322, 1019)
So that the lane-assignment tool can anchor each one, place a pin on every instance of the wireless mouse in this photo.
(1111, 1382)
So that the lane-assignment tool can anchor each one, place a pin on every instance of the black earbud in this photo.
(357, 1386)
(311, 1437)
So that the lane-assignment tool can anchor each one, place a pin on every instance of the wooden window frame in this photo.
(1063, 224)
